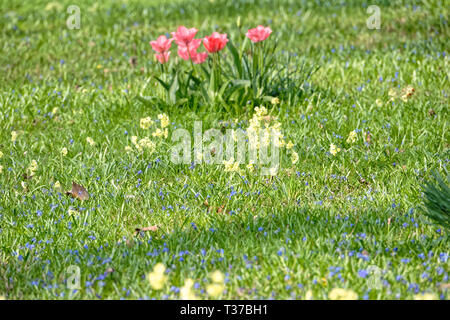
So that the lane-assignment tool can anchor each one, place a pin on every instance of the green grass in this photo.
(276, 237)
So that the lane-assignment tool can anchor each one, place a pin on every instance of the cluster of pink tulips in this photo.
(188, 46)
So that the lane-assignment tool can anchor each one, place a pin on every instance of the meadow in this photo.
(364, 116)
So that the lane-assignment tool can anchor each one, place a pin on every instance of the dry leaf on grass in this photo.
(78, 192)
(151, 228)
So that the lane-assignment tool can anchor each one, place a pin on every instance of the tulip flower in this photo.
(259, 33)
(163, 57)
(184, 36)
(215, 42)
(186, 53)
(192, 54)
(162, 44)
(199, 57)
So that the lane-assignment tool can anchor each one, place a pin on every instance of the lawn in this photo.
(364, 116)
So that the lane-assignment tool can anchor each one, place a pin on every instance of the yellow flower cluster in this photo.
(14, 135)
(90, 141)
(342, 294)
(251, 166)
(146, 123)
(157, 278)
(216, 288)
(143, 144)
(262, 129)
(159, 133)
(351, 137)
(231, 165)
(405, 94)
(164, 120)
(334, 150)
(33, 167)
(186, 292)
(426, 296)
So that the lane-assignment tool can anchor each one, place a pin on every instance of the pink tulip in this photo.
(196, 57)
(162, 44)
(193, 45)
(183, 36)
(199, 57)
(215, 42)
(185, 54)
(163, 57)
(259, 33)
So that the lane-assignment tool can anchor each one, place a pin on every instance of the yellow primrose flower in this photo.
(351, 137)
(145, 123)
(273, 171)
(147, 143)
(158, 133)
(90, 141)
(334, 150)
(217, 277)
(275, 101)
(128, 149)
(57, 185)
(1, 168)
(157, 277)
(14, 135)
(33, 167)
(164, 120)
(230, 165)
(64, 151)
(260, 111)
(426, 296)
(294, 157)
(186, 292)
(215, 289)
(289, 145)
(251, 166)
(309, 295)
(134, 140)
(199, 156)
(342, 294)
(378, 102)
(23, 184)
(72, 212)
(392, 92)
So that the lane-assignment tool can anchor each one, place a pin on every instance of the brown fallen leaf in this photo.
(220, 209)
(109, 270)
(133, 61)
(78, 192)
(368, 138)
(26, 177)
(139, 230)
